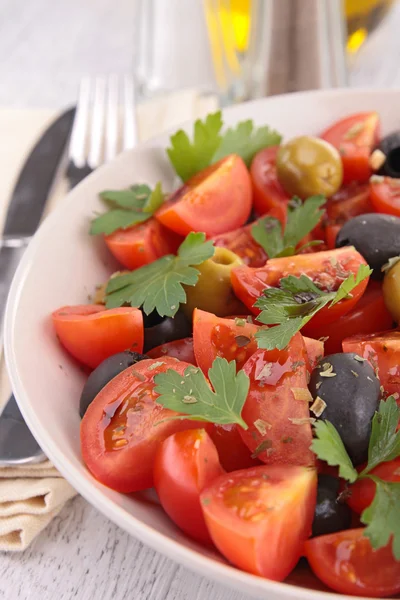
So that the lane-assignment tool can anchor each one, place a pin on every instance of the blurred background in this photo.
(46, 47)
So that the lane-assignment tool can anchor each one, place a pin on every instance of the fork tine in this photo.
(111, 138)
(77, 146)
(97, 124)
(130, 134)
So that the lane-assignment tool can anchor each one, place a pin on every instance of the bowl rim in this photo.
(190, 558)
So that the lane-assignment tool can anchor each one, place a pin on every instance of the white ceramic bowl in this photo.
(62, 266)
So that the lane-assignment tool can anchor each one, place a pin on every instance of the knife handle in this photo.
(9, 260)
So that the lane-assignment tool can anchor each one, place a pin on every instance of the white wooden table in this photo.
(45, 47)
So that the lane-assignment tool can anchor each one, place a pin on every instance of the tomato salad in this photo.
(245, 360)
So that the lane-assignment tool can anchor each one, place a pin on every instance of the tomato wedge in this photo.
(327, 270)
(276, 409)
(124, 426)
(346, 562)
(259, 518)
(232, 451)
(213, 336)
(267, 191)
(185, 464)
(362, 492)
(355, 137)
(142, 244)
(180, 349)
(369, 315)
(383, 352)
(385, 195)
(216, 200)
(91, 333)
(241, 242)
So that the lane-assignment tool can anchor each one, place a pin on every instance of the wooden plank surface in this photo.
(45, 47)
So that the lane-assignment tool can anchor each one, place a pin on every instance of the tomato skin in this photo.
(327, 269)
(214, 336)
(346, 562)
(314, 352)
(383, 352)
(142, 244)
(351, 201)
(216, 200)
(232, 451)
(369, 315)
(241, 242)
(259, 518)
(271, 402)
(355, 146)
(128, 401)
(180, 349)
(185, 463)
(267, 191)
(385, 196)
(362, 492)
(92, 333)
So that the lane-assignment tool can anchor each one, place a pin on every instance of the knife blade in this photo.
(29, 198)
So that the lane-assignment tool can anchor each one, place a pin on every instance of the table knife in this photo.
(24, 214)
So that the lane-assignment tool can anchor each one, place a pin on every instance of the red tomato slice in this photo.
(383, 352)
(331, 232)
(232, 451)
(259, 518)
(124, 426)
(351, 201)
(276, 409)
(368, 316)
(92, 333)
(346, 562)
(180, 349)
(327, 270)
(355, 137)
(314, 351)
(142, 244)
(213, 336)
(362, 492)
(267, 191)
(385, 195)
(241, 242)
(186, 462)
(214, 201)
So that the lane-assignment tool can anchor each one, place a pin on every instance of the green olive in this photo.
(391, 291)
(307, 165)
(213, 292)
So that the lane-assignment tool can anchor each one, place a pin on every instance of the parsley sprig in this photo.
(159, 285)
(381, 517)
(292, 305)
(302, 217)
(191, 395)
(209, 145)
(127, 208)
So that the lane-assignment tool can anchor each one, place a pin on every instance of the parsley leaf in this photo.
(292, 305)
(127, 208)
(328, 446)
(159, 285)
(382, 516)
(188, 158)
(190, 394)
(384, 443)
(301, 219)
(209, 145)
(351, 282)
(246, 141)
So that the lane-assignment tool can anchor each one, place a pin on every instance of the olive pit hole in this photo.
(222, 259)
(392, 165)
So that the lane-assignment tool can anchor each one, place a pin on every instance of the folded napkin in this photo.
(30, 496)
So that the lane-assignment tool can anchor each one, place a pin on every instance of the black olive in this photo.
(350, 389)
(331, 514)
(375, 236)
(168, 330)
(390, 146)
(107, 370)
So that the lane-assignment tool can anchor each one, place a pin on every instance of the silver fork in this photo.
(104, 124)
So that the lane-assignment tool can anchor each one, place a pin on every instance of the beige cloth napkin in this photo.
(31, 496)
